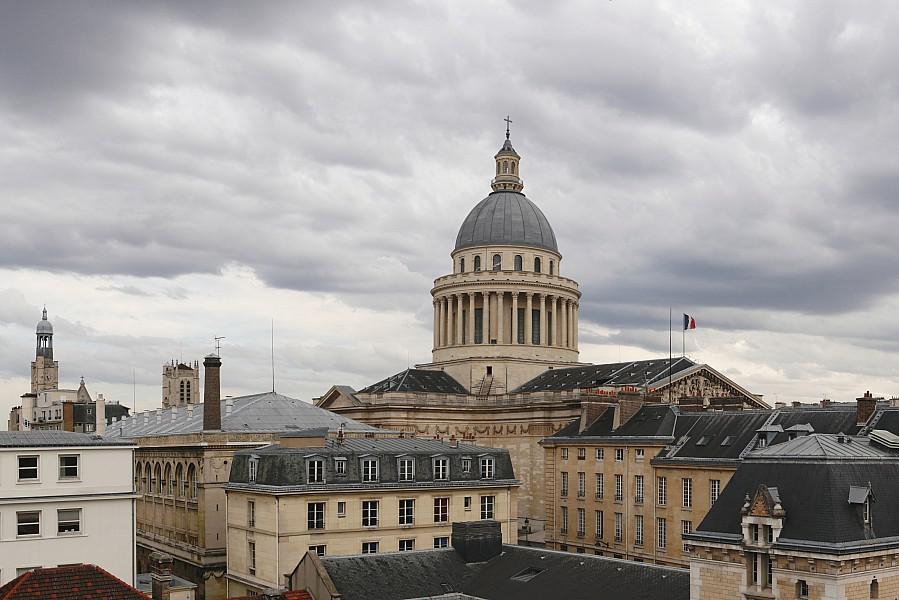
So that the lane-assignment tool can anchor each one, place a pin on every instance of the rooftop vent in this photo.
(526, 575)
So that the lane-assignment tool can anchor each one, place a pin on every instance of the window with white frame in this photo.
(251, 557)
(619, 454)
(441, 541)
(619, 487)
(369, 513)
(598, 530)
(687, 492)
(638, 489)
(28, 523)
(407, 511)
(251, 513)
(340, 466)
(662, 489)
(406, 545)
(315, 515)
(466, 503)
(68, 521)
(487, 506)
(28, 468)
(638, 530)
(369, 547)
(563, 519)
(600, 485)
(315, 470)
(407, 469)
(599, 454)
(466, 465)
(619, 527)
(581, 522)
(318, 549)
(639, 453)
(341, 508)
(581, 484)
(581, 453)
(441, 469)
(68, 466)
(714, 490)
(685, 528)
(487, 465)
(661, 533)
(563, 484)
(564, 453)
(441, 510)
(369, 470)
(252, 468)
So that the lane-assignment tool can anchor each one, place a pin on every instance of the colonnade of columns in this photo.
(455, 324)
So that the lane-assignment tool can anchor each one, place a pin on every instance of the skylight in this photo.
(526, 575)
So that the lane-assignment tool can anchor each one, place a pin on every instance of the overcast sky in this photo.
(171, 173)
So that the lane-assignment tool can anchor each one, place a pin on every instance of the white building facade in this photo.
(66, 498)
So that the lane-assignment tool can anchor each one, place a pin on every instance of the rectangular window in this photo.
(714, 490)
(487, 507)
(688, 492)
(341, 509)
(369, 547)
(619, 488)
(340, 466)
(441, 510)
(369, 469)
(581, 522)
(563, 513)
(441, 542)
(754, 563)
(662, 487)
(685, 528)
(251, 557)
(315, 515)
(466, 465)
(68, 466)
(406, 545)
(441, 469)
(661, 533)
(28, 468)
(520, 317)
(619, 527)
(599, 454)
(535, 327)
(252, 468)
(251, 513)
(478, 325)
(407, 469)
(407, 512)
(769, 579)
(802, 588)
(564, 453)
(487, 467)
(769, 531)
(315, 471)
(68, 521)
(599, 525)
(28, 523)
(318, 549)
(638, 530)
(581, 453)
(599, 486)
(754, 533)
(639, 454)
(563, 486)
(581, 484)
(369, 513)
(619, 454)
(466, 502)
(638, 489)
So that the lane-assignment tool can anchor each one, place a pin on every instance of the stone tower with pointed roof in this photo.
(44, 370)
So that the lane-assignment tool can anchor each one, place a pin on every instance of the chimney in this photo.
(590, 411)
(796, 404)
(100, 409)
(26, 416)
(477, 541)
(825, 402)
(212, 394)
(68, 416)
(229, 405)
(160, 575)
(864, 408)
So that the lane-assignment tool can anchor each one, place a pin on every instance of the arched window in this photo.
(497, 262)
(505, 166)
(462, 265)
(192, 482)
(513, 167)
(157, 478)
(187, 387)
(146, 480)
(517, 262)
(875, 588)
(138, 474)
(550, 266)
(179, 481)
(536, 264)
(477, 263)
(167, 482)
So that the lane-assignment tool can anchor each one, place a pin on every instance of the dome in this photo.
(506, 218)
(44, 326)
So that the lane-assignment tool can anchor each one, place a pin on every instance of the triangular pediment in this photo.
(339, 396)
(765, 503)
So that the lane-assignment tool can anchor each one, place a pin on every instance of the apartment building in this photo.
(65, 498)
(634, 487)
(345, 496)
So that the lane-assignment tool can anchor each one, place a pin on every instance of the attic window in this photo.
(526, 575)
(253, 467)
(703, 441)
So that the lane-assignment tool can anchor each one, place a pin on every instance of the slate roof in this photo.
(558, 575)
(832, 419)
(280, 467)
(826, 447)
(715, 435)
(79, 582)
(813, 479)
(266, 412)
(417, 380)
(506, 218)
(49, 438)
(634, 373)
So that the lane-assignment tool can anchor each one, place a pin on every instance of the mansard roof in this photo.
(417, 380)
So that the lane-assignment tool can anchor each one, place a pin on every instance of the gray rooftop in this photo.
(36, 439)
(506, 218)
(825, 446)
(266, 412)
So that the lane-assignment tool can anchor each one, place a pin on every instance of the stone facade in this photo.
(180, 384)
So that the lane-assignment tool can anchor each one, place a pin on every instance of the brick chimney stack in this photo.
(212, 394)
(160, 575)
(477, 541)
(864, 408)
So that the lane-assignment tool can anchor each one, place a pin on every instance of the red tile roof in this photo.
(79, 582)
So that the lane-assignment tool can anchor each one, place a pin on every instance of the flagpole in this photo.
(669, 355)
(683, 337)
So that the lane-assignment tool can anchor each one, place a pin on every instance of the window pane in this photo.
(68, 466)
(68, 520)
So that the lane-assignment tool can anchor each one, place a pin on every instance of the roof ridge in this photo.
(22, 578)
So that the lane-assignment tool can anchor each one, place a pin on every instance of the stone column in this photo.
(514, 318)
(436, 323)
(577, 310)
(500, 317)
(449, 320)
(486, 318)
(542, 319)
(470, 339)
(459, 303)
(441, 334)
(563, 325)
(528, 319)
(556, 322)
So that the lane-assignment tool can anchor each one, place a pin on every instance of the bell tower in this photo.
(44, 370)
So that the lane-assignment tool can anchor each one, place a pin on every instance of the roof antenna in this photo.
(273, 355)
(218, 345)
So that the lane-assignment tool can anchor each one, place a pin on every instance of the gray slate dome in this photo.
(44, 326)
(506, 218)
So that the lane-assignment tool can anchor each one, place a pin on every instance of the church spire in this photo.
(507, 161)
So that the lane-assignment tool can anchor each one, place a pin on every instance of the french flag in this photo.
(689, 322)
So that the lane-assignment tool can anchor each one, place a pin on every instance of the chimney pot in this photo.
(160, 575)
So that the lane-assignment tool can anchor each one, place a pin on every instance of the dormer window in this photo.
(407, 469)
(466, 465)
(253, 468)
(487, 467)
(441, 469)
(315, 471)
(369, 470)
(340, 466)
(867, 511)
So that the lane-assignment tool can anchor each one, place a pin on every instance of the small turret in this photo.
(507, 171)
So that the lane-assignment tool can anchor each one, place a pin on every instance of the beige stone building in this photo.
(343, 496)
(504, 368)
(180, 384)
